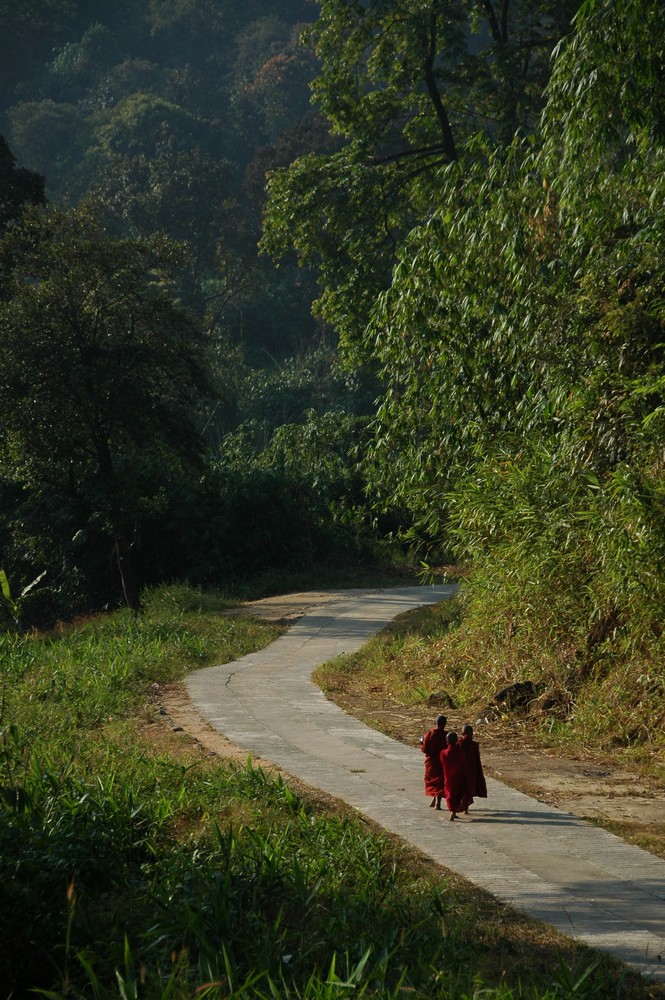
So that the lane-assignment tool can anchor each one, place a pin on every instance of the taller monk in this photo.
(476, 785)
(431, 744)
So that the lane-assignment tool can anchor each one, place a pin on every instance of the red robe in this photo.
(475, 777)
(432, 744)
(453, 761)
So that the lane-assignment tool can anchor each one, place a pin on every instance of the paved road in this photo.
(541, 860)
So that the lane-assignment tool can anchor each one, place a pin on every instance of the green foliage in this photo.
(406, 85)
(311, 383)
(101, 668)
(81, 805)
(52, 138)
(454, 371)
(27, 35)
(521, 416)
(461, 56)
(276, 501)
(170, 114)
(78, 63)
(507, 290)
(13, 605)
(156, 110)
(521, 413)
(610, 106)
(271, 71)
(520, 341)
(328, 208)
(100, 367)
(18, 187)
(294, 503)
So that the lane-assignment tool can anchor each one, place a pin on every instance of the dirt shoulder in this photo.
(585, 784)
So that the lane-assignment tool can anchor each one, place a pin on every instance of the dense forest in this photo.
(275, 287)
(170, 407)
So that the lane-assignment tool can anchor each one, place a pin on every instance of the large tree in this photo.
(101, 371)
(405, 84)
(520, 289)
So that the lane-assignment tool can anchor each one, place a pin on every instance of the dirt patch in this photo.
(586, 784)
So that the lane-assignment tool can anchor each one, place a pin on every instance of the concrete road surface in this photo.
(551, 865)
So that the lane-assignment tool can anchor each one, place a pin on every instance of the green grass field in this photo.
(135, 865)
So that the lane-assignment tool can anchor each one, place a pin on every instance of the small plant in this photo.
(13, 606)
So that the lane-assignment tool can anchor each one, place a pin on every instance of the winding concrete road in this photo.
(541, 860)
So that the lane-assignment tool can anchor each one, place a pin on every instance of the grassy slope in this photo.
(612, 708)
(618, 699)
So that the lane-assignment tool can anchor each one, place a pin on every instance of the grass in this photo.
(133, 864)
(617, 703)
(401, 662)
(613, 711)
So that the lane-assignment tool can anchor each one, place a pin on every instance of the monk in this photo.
(453, 761)
(431, 744)
(476, 787)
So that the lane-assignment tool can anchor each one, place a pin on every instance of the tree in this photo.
(18, 187)
(405, 84)
(27, 34)
(272, 71)
(79, 64)
(521, 348)
(101, 371)
(52, 138)
(153, 173)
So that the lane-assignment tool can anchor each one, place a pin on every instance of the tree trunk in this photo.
(447, 140)
(122, 548)
(123, 551)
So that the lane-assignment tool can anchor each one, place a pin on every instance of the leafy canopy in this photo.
(521, 342)
(101, 368)
(404, 85)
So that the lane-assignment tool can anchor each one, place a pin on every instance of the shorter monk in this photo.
(453, 762)
(431, 744)
(476, 786)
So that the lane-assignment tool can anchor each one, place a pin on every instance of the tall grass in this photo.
(604, 693)
(133, 865)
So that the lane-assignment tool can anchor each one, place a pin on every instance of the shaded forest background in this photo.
(226, 452)
(461, 350)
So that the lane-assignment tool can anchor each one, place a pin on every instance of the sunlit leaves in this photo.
(521, 344)
(406, 85)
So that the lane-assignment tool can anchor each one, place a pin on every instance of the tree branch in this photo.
(438, 147)
(448, 141)
(492, 20)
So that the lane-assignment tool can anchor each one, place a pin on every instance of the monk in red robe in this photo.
(476, 787)
(431, 744)
(453, 761)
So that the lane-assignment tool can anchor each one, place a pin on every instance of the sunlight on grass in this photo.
(133, 863)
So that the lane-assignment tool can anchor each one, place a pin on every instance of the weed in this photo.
(135, 872)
